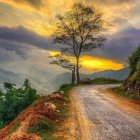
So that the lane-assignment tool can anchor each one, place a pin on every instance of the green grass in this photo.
(34, 103)
(44, 129)
(105, 81)
(14, 128)
(66, 88)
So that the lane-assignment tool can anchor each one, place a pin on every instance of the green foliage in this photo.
(134, 60)
(8, 86)
(105, 81)
(13, 100)
(14, 128)
(43, 128)
(132, 83)
(66, 88)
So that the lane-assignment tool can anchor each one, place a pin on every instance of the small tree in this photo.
(8, 86)
(64, 63)
(79, 30)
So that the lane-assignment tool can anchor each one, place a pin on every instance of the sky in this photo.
(26, 28)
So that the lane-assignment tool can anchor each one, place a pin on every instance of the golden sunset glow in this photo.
(37, 19)
(54, 53)
(91, 63)
(40, 15)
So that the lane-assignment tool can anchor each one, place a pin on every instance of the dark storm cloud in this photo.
(120, 45)
(24, 36)
(20, 40)
(12, 46)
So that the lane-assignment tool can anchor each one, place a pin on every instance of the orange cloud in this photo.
(54, 53)
(91, 63)
(39, 15)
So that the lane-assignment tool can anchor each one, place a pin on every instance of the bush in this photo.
(13, 100)
(64, 86)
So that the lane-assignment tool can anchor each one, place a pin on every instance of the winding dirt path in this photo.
(103, 116)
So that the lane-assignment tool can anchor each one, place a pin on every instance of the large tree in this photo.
(78, 30)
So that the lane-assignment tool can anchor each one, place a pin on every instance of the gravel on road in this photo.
(107, 120)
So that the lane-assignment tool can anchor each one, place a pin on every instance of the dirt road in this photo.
(101, 118)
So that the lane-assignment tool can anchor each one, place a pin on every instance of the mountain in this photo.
(114, 74)
(47, 84)
(7, 76)
(18, 79)
(65, 78)
(56, 82)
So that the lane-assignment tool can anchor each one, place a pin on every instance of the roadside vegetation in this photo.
(120, 91)
(98, 81)
(44, 129)
(130, 88)
(48, 126)
(13, 100)
(105, 81)
(14, 128)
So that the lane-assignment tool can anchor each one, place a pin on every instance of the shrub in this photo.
(13, 100)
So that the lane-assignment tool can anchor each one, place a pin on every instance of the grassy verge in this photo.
(14, 128)
(121, 92)
(66, 88)
(44, 129)
(105, 81)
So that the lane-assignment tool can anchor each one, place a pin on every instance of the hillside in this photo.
(39, 121)
(46, 84)
(132, 83)
(56, 82)
(113, 74)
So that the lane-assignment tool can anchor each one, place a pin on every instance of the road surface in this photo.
(102, 119)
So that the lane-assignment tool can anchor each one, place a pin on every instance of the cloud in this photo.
(39, 15)
(34, 3)
(120, 45)
(112, 2)
(8, 56)
(20, 39)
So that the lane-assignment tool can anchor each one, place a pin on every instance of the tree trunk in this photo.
(73, 76)
(77, 70)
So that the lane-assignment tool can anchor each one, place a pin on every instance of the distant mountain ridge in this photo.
(18, 79)
(65, 78)
(114, 74)
(54, 83)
